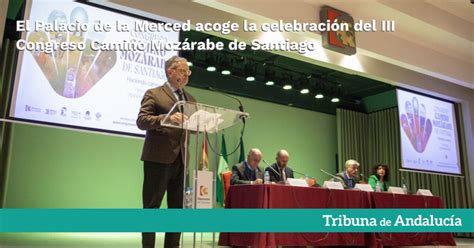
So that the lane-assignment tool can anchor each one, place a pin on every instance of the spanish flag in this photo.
(204, 163)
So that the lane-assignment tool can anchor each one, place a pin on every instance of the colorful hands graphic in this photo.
(415, 124)
(72, 73)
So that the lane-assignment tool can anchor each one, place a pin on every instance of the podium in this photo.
(201, 119)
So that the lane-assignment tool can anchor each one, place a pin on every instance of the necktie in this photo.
(180, 95)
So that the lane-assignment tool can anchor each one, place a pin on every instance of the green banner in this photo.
(236, 220)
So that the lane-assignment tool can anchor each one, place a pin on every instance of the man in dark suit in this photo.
(248, 172)
(279, 171)
(349, 177)
(163, 152)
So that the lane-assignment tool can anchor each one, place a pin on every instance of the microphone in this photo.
(271, 167)
(306, 175)
(241, 107)
(302, 174)
(335, 177)
(331, 175)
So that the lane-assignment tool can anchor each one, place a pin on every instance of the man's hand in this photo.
(178, 118)
(258, 181)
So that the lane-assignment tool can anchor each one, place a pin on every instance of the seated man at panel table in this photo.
(349, 177)
(279, 171)
(248, 172)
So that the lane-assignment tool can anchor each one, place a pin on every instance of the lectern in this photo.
(200, 192)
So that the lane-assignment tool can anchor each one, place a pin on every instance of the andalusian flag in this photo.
(204, 163)
(223, 166)
(242, 151)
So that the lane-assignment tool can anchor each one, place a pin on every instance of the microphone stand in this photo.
(242, 117)
(269, 166)
(241, 107)
(335, 177)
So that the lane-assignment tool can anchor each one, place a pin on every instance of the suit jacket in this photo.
(162, 144)
(346, 181)
(276, 175)
(240, 177)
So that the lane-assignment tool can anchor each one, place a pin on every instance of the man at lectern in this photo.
(248, 172)
(279, 171)
(164, 147)
(349, 176)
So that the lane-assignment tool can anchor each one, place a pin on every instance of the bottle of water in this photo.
(404, 187)
(377, 187)
(188, 198)
(266, 178)
(306, 179)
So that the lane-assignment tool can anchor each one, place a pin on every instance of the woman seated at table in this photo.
(380, 174)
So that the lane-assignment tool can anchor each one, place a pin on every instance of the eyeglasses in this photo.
(183, 71)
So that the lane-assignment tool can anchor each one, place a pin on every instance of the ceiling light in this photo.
(250, 70)
(319, 96)
(225, 65)
(250, 78)
(304, 91)
(335, 99)
(211, 62)
(287, 87)
(269, 74)
(190, 63)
